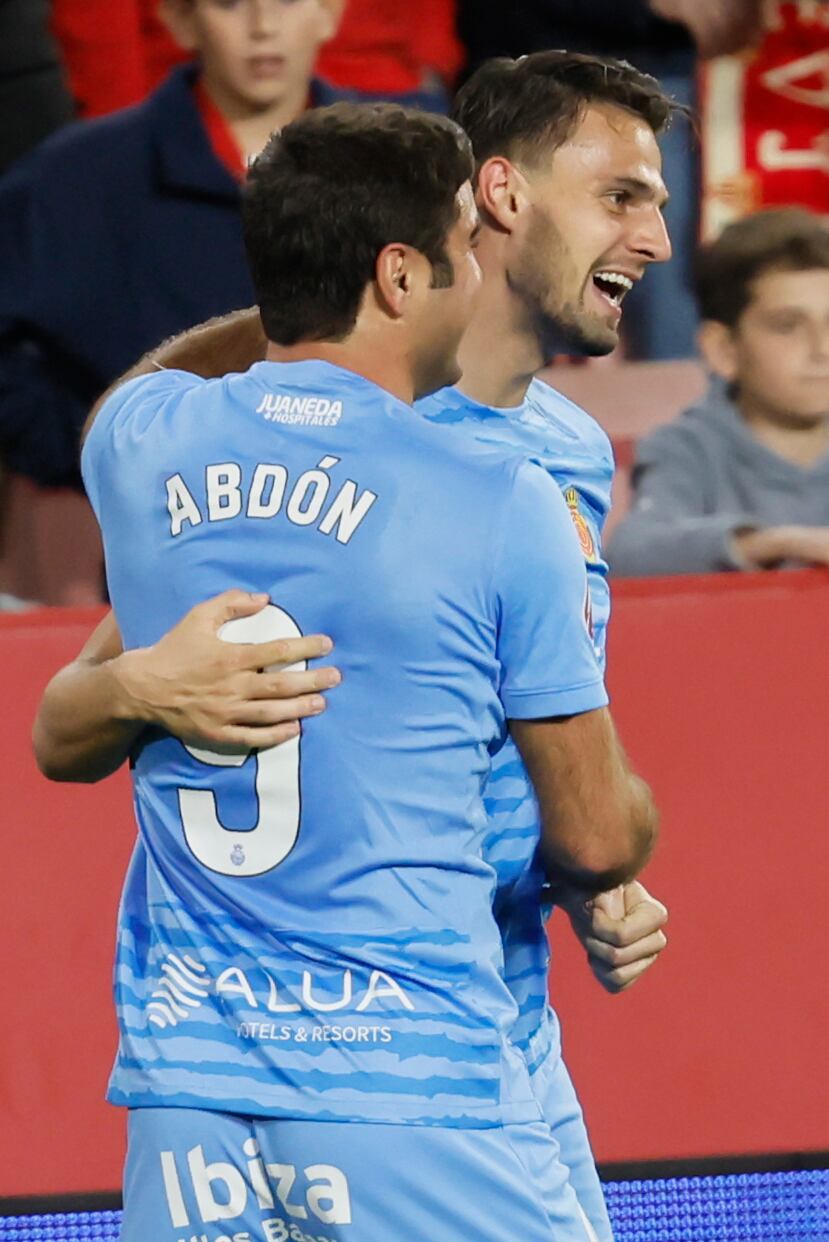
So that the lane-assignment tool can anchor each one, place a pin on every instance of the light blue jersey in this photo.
(558, 435)
(308, 932)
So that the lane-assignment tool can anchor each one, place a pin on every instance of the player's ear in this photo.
(501, 192)
(718, 347)
(178, 17)
(397, 275)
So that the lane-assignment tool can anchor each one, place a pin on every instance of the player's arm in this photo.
(230, 343)
(190, 683)
(621, 930)
(598, 818)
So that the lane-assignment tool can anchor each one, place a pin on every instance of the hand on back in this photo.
(200, 688)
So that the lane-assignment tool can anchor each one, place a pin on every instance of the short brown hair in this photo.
(325, 196)
(787, 239)
(524, 108)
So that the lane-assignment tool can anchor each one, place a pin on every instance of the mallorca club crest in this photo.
(586, 540)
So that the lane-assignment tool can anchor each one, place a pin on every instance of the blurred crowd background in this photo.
(125, 130)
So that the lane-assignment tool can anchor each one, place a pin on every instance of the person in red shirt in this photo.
(117, 51)
(386, 46)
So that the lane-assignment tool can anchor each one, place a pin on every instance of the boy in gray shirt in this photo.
(741, 481)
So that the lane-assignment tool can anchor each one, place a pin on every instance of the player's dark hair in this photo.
(329, 192)
(784, 240)
(524, 109)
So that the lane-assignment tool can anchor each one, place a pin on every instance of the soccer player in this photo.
(570, 193)
(569, 188)
(306, 937)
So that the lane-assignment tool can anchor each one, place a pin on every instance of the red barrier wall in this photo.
(720, 687)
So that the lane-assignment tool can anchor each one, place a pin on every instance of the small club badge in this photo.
(237, 856)
(586, 540)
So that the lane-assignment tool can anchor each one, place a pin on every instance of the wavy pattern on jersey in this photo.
(447, 1115)
(206, 1009)
(571, 446)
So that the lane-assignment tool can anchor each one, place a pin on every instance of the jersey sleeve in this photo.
(548, 665)
(606, 462)
(122, 420)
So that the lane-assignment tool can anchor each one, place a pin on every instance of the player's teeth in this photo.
(616, 278)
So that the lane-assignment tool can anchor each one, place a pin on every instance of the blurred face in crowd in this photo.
(254, 53)
(451, 295)
(592, 225)
(777, 355)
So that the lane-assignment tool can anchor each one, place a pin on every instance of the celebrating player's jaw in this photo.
(605, 163)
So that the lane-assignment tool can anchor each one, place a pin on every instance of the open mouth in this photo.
(613, 286)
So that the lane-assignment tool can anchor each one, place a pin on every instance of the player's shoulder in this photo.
(573, 420)
(456, 447)
(517, 492)
(139, 400)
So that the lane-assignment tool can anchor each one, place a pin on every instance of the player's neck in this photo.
(252, 126)
(500, 352)
(358, 356)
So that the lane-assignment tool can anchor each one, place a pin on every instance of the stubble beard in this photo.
(560, 327)
(568, 330)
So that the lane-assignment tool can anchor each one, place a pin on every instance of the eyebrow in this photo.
(785, 309)
(644, 189)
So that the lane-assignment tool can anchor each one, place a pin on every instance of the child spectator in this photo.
(117, 51)
(118, 232)
(741, 481)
